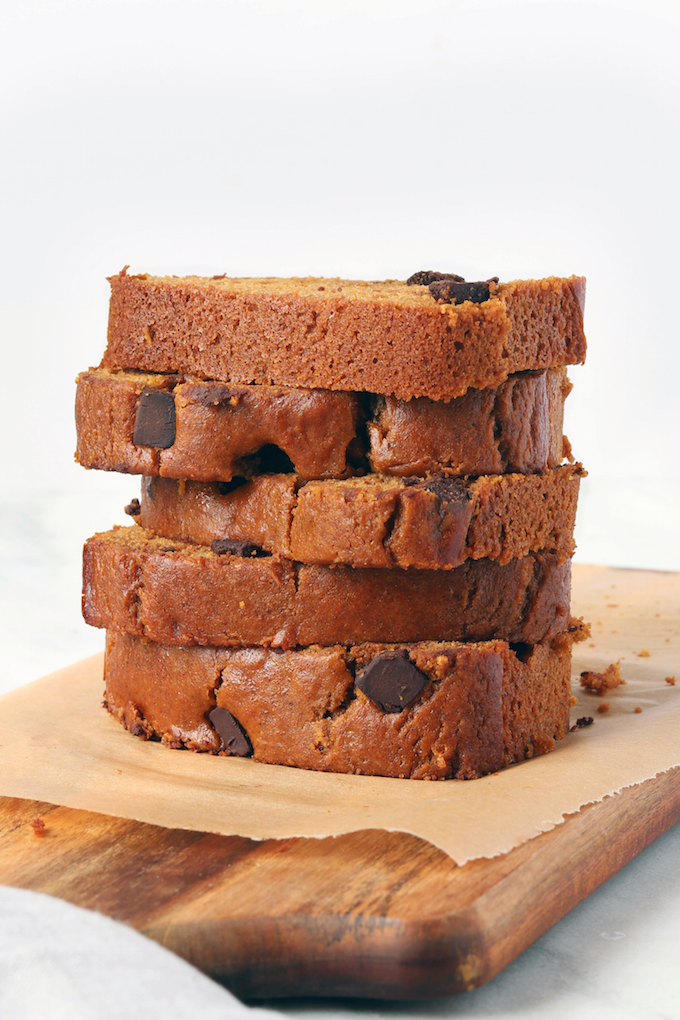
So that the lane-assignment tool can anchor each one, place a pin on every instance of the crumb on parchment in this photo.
(598, 683)
(604, 707)
(38, 826)
(670, 680)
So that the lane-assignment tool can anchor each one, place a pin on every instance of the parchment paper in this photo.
(57, 744)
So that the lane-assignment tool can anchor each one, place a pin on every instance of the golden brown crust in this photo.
(176, 593)
(343, 335)
(374, 521)
(483, 705)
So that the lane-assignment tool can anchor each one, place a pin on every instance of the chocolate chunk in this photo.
(212, 394)
(452, 291)
(133, 508)
(236, 547)
(234, 738)
(427, 276)
(585, 720)
(449, 490)
(391, 680)
(155, 419)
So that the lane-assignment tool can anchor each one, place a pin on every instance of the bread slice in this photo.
(335, 334)
(468, 709)
(149, 423)
(373, 521)
(177, 593)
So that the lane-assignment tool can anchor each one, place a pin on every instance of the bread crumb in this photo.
(598, 683)
(573, 700)
(604, 707)
(637, 709)
(38, 826)
(643, 653)
(670, 680)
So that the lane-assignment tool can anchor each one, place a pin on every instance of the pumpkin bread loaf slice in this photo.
(427, 339)
(430, 710)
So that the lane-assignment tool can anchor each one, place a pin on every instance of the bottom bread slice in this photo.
(431, 710)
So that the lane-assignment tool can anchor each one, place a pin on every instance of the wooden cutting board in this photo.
(372, 913)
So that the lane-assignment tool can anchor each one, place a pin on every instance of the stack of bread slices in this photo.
(352, 547)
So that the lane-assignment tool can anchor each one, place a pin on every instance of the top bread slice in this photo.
(378, 337)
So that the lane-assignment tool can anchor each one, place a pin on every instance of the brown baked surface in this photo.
(483, 705)
(177, 593)
(343, 335)
(221, 427)
(374, 521)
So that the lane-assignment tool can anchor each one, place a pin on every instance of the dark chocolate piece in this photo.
(427, 276)
(391, 680)
(155, 423)
(452, 291)
(234, 738)
(133, 508)
(585, 720)
(212, 394)
(449, 490)
(236, 547)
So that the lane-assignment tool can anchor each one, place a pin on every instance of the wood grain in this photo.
(371, 914)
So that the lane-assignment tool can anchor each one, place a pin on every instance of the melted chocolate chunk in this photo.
(427, 276)
(585, 720)
(133, 509)
(236, 547)
(155, 423)
(449, 490)
(454, 291)
(391, 680)
(234, 738)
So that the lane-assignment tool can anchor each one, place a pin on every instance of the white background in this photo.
(359, 139)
